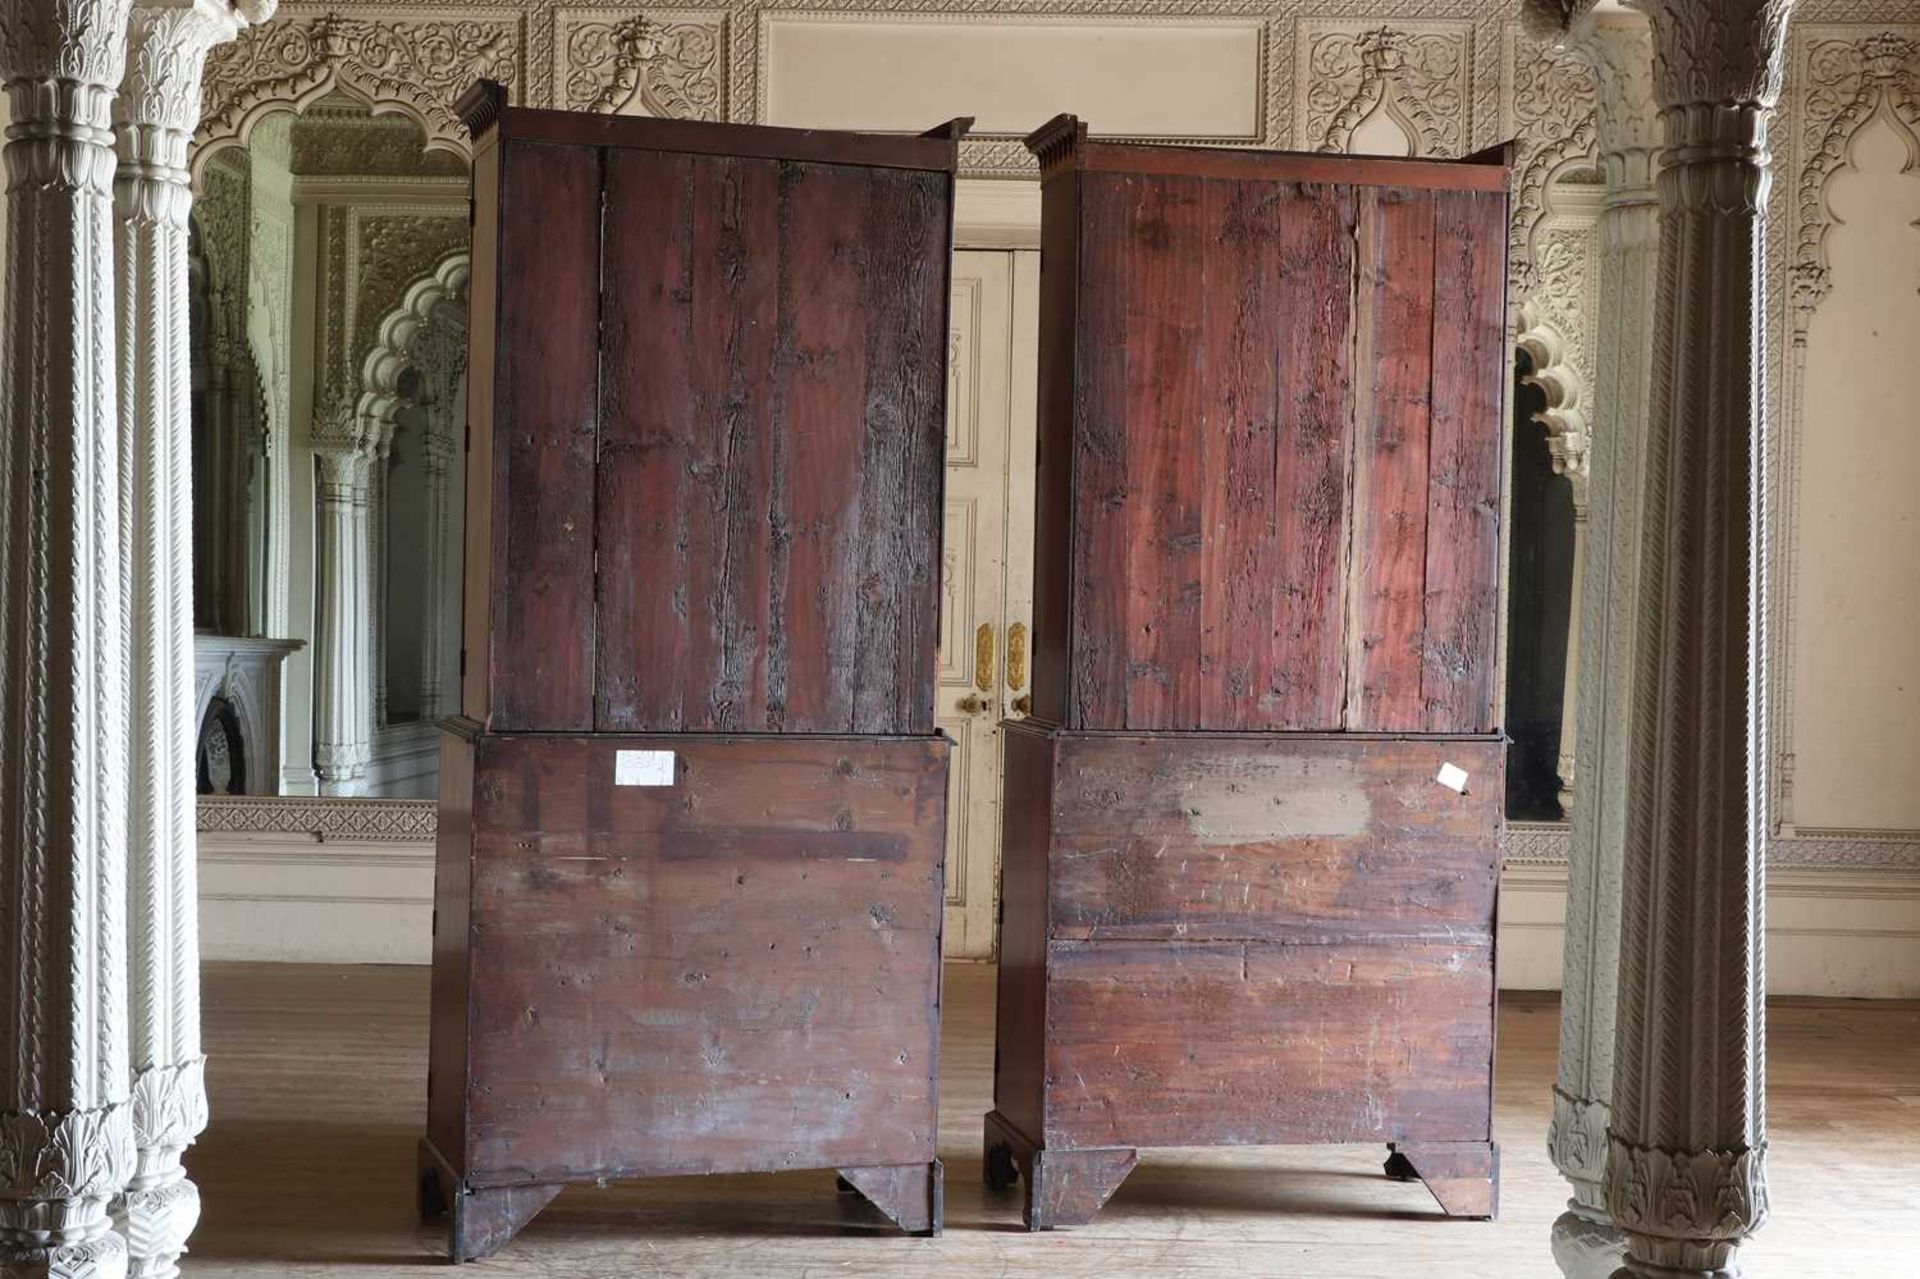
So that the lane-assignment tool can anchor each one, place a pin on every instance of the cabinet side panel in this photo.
(546, 424)
(1387, 576)
(483, 480)
(1019, 1047)
(1056, 630)
(1463, 488)
(452, 882)
(1306, 678)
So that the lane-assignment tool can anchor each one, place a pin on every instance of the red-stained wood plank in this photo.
(542, 651)
(1167, 446)
(1159, 1044)
(1463, 485)
(1290, 837)
(819, 380)
(1239, 342)
(1102, 491)
(1307, 682)
(1387, 582)
(653, 440)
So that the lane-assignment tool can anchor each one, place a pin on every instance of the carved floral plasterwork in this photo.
(1548, 111)
(1417, 73)
(1557, 330)
(660, 63)
(413, 61)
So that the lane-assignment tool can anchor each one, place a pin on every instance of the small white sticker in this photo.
(1453, 777)
(643, 768)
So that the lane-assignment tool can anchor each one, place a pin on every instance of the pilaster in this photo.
(1619, 49)
(154, 118)
(66, 1128)
(1685, 1175)
(343, 684)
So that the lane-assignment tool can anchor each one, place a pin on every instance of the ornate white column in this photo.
(66, 1128)
(343, 676)
(1619, 48)
(1685, 1176)
(443, 580)
(154, 118)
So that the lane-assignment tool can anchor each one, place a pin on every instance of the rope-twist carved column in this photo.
(66, 1125)
(1685, 1177)
(154, 117)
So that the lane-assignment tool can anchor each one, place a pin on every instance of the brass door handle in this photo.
(974, 704)
(1023, 704)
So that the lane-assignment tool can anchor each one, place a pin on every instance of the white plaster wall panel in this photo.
(1199, 78)
(1857, 651)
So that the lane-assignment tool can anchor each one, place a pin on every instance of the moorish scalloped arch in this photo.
(425, 302)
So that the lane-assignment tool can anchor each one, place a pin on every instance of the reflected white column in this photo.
(1619, 48)
(66, 1125)
(343, 683)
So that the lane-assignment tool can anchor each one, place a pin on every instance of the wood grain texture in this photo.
(736, 972)
(1249, 370)
(1463, 479)
(736, 524)
(1271, 838)
(1386, 627)
(546, 419)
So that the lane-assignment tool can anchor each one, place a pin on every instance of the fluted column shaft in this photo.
(343, 685)
(1619, 49)
(154, 117)
(66, 1128)
(1685, 1177)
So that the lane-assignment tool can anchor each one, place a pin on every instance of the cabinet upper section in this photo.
(707, 425)
(1271, 388)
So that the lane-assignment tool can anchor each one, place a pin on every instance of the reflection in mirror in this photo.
(327, 307)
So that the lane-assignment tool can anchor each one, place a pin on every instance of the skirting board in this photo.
(294, 898)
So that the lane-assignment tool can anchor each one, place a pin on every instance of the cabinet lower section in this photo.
(1216, 939)
(670, 954)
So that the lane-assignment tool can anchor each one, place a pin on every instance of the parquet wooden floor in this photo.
(318, 1083)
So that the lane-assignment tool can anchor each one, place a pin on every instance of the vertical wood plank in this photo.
(486, 483)
(734, 279)
(1055, 522)
(1165, 387)
(903, 294)
(543, 624)
(1463, 493)
(1307, 683)
(1101, 491)
(648, 444)
(1241, 338)
(1387, 586)
(820, 378)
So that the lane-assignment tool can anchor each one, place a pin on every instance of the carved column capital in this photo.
(1618, 47)
(159, 101)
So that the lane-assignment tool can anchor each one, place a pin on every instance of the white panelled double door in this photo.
(986, 615)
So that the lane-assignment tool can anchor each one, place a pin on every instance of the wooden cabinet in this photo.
(689, 871)
(1240, 906)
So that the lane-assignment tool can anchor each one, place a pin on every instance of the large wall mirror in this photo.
(328, 310)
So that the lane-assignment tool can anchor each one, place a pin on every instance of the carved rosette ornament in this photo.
(154, 116)
(1619, 50)
(66, 1128)
(1684, 1177)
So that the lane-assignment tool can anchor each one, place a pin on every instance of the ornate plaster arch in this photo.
(435, 298)
(409, 63)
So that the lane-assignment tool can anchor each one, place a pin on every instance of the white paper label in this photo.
(1453, 777)
(643, 768)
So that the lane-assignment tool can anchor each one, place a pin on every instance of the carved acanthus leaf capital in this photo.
(75, 43)
(1619, 50)
(77, 1154)
(1716, 52)
(167, 45)
(1687, 1210)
